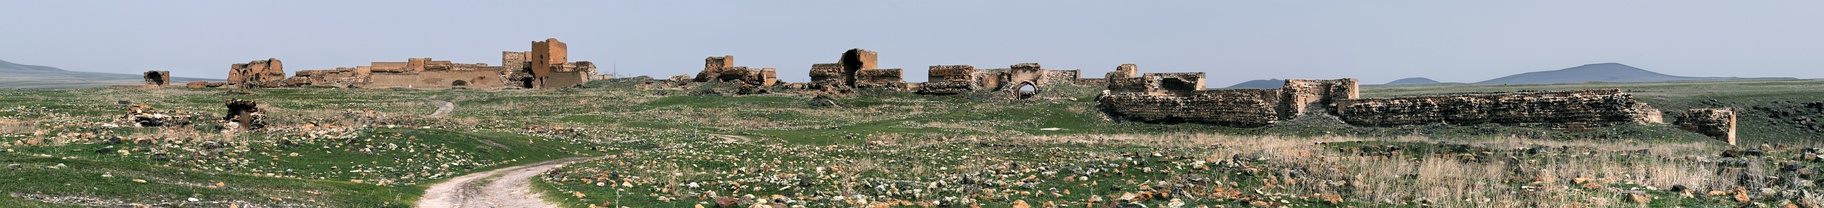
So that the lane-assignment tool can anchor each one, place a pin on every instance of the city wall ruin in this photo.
(723, 69)
(546, 66)
(1181, 97)
(1565, 109)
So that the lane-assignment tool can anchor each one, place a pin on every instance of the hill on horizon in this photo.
(1413, 81)
(1259, 84)
(1599, 72)
(24, 76)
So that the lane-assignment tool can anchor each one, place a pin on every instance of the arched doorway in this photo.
(1025, 90)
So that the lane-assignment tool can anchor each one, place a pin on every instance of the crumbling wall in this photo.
(855, 69)
(1566, 109)
(1307, 95)
(1124, 71)
(479, 79)
(257, 74)
(158, 78)
(720, 68)
(1239, 108)
(949, 79)
(1717, 123)
(880, 79)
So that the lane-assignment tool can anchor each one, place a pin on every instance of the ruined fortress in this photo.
(546, 66)
(1130, 95)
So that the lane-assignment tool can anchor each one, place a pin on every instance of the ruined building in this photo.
(257, 74)
(546, 66)
(158, 78)
(856, 69)
(954, 79)
(722, 69)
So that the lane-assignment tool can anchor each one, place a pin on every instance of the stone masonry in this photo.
(1717, 123)
(1566, 109)
(721, 68)
(257, 74)
(856, 68)
(158, 78)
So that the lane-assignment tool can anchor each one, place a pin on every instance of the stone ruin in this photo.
(142, 115)
(1181, 97)
(955, 79)
(545, 66)
(1562, 109)
(722, 69)
(157, 78)
(244, 115)
(1717, 123)
(257, 74)
(856, 69)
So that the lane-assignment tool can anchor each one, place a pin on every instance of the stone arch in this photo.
(1025, 90)
(459, 84)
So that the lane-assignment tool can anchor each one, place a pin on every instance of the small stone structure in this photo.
(721, 68)
(1717, 123)
(244, 115)
(856, 69)
(257, 74)
(158, 78)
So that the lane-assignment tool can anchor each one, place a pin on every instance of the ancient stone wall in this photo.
(158, 78)
(1567, 109)
(1124, 71)
(1240, 108)
(480, 79)
(949, 79)
(515, 60)
(1307, 95)
(719, 68)
(1717, 123)
(880, 79)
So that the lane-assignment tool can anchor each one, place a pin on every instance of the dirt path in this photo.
(505, 187)
(732, 138)
(443, 108)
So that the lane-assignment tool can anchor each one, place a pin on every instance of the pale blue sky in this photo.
(1234, 41)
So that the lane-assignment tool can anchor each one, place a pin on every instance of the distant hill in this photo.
(1260, 84)
(1602, 72)
(1414, 81)
(22, 76)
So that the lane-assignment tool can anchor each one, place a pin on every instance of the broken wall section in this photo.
(1717, 123)
(157, 78)
(1566, 109)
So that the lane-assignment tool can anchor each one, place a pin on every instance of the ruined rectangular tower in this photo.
(544, 55)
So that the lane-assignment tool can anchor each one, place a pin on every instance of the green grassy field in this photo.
(672, 148)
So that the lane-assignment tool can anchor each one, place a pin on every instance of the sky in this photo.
(1232, 41)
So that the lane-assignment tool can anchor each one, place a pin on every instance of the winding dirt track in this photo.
(505, 187)
(443, 108)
